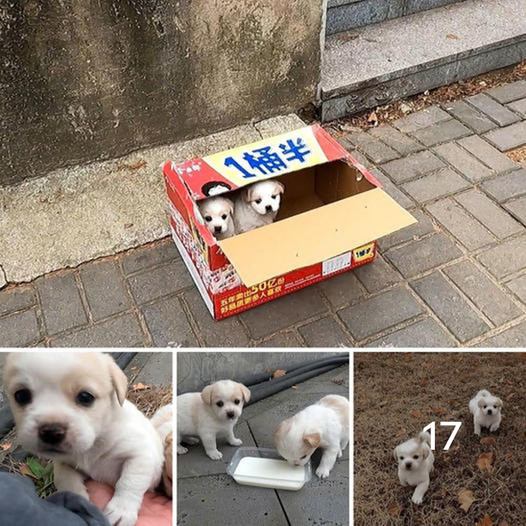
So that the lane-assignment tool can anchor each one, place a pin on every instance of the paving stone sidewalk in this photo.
(457, 278)
(207, 495)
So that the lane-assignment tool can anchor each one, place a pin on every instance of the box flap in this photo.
(314, 236)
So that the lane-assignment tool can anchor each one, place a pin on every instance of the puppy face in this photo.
(490, 405)
(295, 446)
(264, 197)
(62, 402)
(411, 455)
(226, 399)
(217, 214)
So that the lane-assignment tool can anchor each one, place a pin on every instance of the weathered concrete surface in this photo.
(77, 214)
(3, 280)
(82, 82)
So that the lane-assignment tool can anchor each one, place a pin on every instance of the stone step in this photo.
(373, 65)
(343, 15)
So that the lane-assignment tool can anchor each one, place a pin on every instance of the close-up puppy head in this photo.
(226, 399)
(490, 405)
(62, 402)
(412, 453)
(293, 444)
(264, 197)
(217, 214)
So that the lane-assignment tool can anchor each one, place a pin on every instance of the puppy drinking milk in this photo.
(485, 409)
(210, 414)
(324, 424)
(217, 215)
(415, 463)
(71, 408)
(257, 205)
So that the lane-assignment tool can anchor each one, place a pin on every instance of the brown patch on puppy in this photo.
(338, 405)
(313, 440)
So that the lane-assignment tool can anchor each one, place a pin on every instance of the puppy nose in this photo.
(408, 465)
(268, 208)
(217, 229)
(230, 414)
(489, 411)
(52, 433)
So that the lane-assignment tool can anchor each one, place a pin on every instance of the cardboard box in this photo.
(332, 213)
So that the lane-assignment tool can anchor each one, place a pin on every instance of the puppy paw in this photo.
(493, 428)
(417, 499)
(191, 441)
(235, 442)
(181, 450)
(215, 455)
(118, 512)
(323, 473)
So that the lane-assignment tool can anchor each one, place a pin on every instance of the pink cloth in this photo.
(156, 510)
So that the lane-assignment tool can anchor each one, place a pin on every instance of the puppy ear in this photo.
(247, 194)
(499, 403)
(425, 452)
(119, 380)
(481, 402)
(395, 453)
(280, 188)
(246, 393)
(312, 440)
(230, 206)
(206, 394)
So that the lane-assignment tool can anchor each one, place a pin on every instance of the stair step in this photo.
(343, 15)
(373, 65)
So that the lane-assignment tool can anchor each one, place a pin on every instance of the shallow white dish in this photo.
(264, 468)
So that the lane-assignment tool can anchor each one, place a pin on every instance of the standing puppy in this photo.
(71, 408)
(210, 414)
(257, 205)
(485, 409)
(415, 463)
(217, 215)
(324, 424)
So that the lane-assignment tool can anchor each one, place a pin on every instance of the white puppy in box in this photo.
(415, 463)
(210, 414)
(217, 216)
(257, 205)
(71, 408)
(485, 409)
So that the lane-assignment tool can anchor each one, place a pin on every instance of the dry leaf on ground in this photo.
(5, 447)
(394, 509)
(488, 440)
(416, 413)
(485, 521)
(451, 36)
(465, 498)
(401, 431)
(294, 387)
(278, 373)
(484, 462)
(141, 387)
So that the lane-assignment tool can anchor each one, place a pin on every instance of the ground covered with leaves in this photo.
(148, 399)
(478, 481)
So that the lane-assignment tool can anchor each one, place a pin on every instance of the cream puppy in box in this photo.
(485, 409)
(324, 424)
(257, 205)
(71, 408)
(217, 216)
(210, 414)
(415, 463)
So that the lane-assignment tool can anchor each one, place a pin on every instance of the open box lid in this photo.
(314, 236)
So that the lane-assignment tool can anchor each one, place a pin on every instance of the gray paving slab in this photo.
(403, 144)
(495, 111)
(413, 166)
(489, 155)
(509, 92)
(283, 339)
(469, 116)
(506, 186)
(381, 312)
(450, 307)
(492, 216)
(435, 185)
(519, 106)
(373, 148)
(156, 369)
(149, 256)
(442, 132)
(19, 329)
(325, 332)
(513, 337)
(421, 119)
(518, 287)
(424, 333)
(509, 137)
(423, 255)
(470, 167)
(505, 259)
(517, 208)
(489, 298)
(402, 199)
(411, 233)
(17, 298)
(377, 275)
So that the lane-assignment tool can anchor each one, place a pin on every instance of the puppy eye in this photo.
(208, 219)
(220, 404)
(258, 201)
(23, 397)
(236, 401)
(274, 196)
(85, 399)
(304, 456)
(415, 457)
(494, 407)
(485, 406)
(401, 458)
(224, 216)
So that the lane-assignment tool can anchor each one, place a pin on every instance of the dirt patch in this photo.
(396, 395)
(518, 155)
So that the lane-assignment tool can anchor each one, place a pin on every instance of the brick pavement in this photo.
(457, 278)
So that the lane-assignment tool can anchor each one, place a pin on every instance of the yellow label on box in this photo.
(363, 253)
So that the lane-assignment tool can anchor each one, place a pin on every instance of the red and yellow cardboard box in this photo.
(332, 213)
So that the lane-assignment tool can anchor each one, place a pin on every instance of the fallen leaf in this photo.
(278, 373)
(465, 498)
(394, 509)
(442, 493)
(484, 462)
(454, 403)
(372, 119)
(451, 36)
(488, 440)
(416, 413)
(401, 431)
(485, 521)
(441, 411)
(26, 470)
(408, 357)
(5, 447)
(504, 523)
(294, 387)
(128, 225)
(338, 381)
(132, 167)
(134, 368)
(141, 387)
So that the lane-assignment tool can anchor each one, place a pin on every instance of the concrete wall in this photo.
(197, 369)
(82, 79)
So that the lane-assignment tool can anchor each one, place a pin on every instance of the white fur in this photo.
(216, 213)
(199, 415)
(110, 441)
(486, 411)
(415, 463)
(257, 205)
(324, 424)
